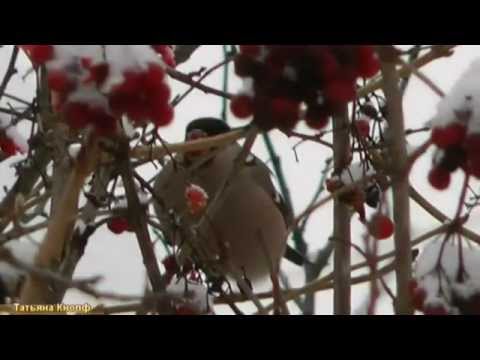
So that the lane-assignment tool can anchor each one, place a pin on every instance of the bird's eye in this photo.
(196, 134)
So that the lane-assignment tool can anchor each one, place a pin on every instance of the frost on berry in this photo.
(97, 85)
(443, 286)
(190, 298)
(281, 79)
(11, 141)
(456, 129)
(197, 199)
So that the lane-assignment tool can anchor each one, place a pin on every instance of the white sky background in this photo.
(118, 259)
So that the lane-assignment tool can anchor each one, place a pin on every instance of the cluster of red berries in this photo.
(143, 95)
(173, 268)
(287, 76)
(456, 304)
(418, 296)
(79, 87)
(458, 149)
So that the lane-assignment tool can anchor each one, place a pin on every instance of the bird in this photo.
(252, 222)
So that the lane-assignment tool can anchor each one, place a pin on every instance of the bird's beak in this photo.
(196, 135)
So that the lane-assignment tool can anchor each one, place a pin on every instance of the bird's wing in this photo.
(261, 174)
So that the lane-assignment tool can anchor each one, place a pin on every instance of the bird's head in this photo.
(205, 128)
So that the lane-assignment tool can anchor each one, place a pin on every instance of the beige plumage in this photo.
(248, 221)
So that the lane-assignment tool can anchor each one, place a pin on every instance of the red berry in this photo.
(412, 286)
(118, 225)
(472, 147)
(439, 178)
(188, 266)
(246, 66)
(453, 134)
(250, 50)
(169, 57)
(368, 62)
(99, 73)
(167, 54)
(105, 125)
(328, 65)
(162, 93)
(59, 81)
(194, 276)
(163, 115)
(340, 91)
(86, 62)
(418, 295)
(473, 142)
(381, 227)
(58, 101)
(316, 117)
(435, 310)
(155, 77)
(242, 106)
(197, 199)
(171, 265)
(285, 112)
(333, 185)
(158, 48)
(185, 310)
(8, 146)
(363, 127)
(77, 115)
(473, 167)
(143, 96)
(39, 54)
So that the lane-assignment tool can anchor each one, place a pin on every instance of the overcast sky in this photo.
(117, 258)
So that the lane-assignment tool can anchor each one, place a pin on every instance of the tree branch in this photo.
(341, 226)
(400, 186)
